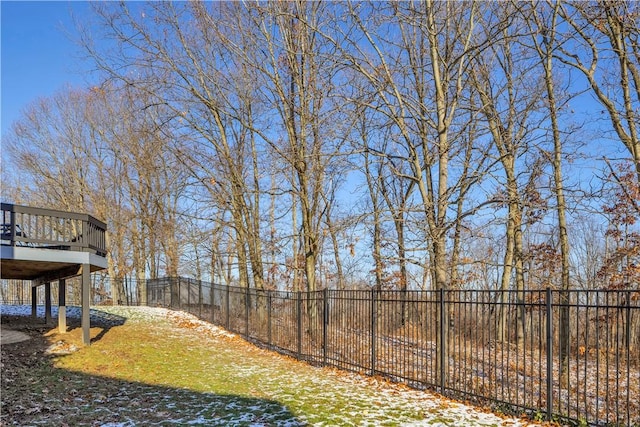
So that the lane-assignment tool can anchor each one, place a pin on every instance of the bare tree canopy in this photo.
(311, 145)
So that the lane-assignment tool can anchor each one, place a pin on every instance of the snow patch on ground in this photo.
(191, 321)
(99, 315)
(371, 399)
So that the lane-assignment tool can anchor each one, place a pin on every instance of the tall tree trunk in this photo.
(139, 262)
(333, 231)
(545, 51)
(377, 232)
(519, 266)
(253, 218)
(295, 246)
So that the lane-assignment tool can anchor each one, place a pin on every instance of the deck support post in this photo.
(47, 303)
(86, 296)
(34, 302)
(62, 306)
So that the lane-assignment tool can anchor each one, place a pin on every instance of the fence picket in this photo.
(549, 340)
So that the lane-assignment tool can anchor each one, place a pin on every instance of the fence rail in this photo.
(572, 356)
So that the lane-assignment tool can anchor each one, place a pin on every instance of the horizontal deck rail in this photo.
(52, 229)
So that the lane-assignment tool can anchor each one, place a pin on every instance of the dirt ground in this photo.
(23, 392)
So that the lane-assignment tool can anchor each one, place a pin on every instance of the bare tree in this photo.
(418, 72)
(64, 164)
(149, 178)
(508, 104)
(604, 49)
(298, 76)
(49, 145)
(210, 108)
(543, 23)
(60, 146)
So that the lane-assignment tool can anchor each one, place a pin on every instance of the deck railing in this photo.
(52, 229)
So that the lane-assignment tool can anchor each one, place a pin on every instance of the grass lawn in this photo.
(151, 366)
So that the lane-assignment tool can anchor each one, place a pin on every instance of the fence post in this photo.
(246, 311)
(172, 291)
(549, 315)
(373, 331)
(228, 307)
(200, 297)
(299, 321)
(269, 317)
(325, 323)
(443, 339)
(212, 303)
(627, 327)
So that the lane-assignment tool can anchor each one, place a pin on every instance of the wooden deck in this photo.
(45, 246)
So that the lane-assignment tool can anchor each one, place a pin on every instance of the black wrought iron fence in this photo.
(571, 356)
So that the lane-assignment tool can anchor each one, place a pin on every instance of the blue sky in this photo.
(38, 56)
